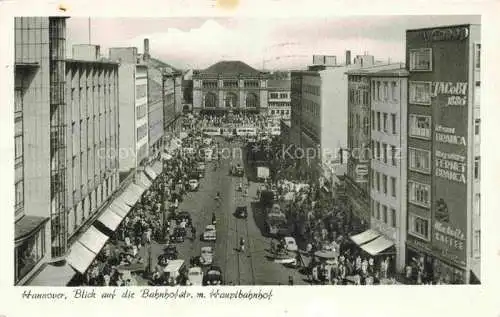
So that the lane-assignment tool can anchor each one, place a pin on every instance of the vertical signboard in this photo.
(449, 93)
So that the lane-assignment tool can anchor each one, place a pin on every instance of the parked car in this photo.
(213, 276)
(194, 185)
(210, 233)
(195, 276)
(175, 272)
(241, 212)
(290, 244)
(207, 255)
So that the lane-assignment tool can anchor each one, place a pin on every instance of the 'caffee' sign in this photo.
(446, 34)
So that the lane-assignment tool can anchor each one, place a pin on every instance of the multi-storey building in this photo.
(133, 113)
(172, 101)
(230, 86)
(92, 134)
(443, 151)
(387, 118)
(318, 112)
(279, 99)
(40, 143)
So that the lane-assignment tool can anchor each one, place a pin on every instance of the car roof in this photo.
(287, 239)
(210, 227)
(195, 269)
(206, 248)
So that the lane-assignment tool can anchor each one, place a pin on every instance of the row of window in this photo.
(380, 152)
(312, 90)
(379, 183)
(311, 107)
(141, 91)
(380, 122)
(281, 112)
(355, 123)
(385, 91)
(419, 226)
(279, 104)
(421, 59)
(141, 111)
(280, 95)
(381, 212)
(359, 97)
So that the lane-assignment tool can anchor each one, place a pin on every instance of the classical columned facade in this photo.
(230, 87)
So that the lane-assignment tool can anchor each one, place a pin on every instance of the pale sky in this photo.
(278, 43)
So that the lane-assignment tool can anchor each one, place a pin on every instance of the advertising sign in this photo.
(450, 115)
(361, 173)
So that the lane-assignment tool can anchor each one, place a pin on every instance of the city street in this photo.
(253, 267)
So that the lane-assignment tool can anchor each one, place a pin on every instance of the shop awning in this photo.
(111, 219)
(151, 173)
(120, 208)
(80, 257)
(131, 194)
(143, 181)
(378, 245)
(365, 236)
(52, 275)
(158, 167)
(93, 239)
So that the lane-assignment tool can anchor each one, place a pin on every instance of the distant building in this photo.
(133, 112)
(444, 160)
(318, 114)
(230, 86)
(279, 99)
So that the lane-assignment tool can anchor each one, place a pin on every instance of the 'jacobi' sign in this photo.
(456, 92)
(446, 34)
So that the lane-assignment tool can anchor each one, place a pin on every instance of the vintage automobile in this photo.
(175, 273)
(213, 276)
(238, 170)
(194, 185)
(207, 255)
(241, 212)
(195, 276)
(210, 233)
(184, 216)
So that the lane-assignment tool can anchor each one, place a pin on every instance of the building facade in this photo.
(93, 140)
(230, 86)
(443, 151)
(172, 102)
(388, 166)
(133, 108)
(279, 99)
(40, 143)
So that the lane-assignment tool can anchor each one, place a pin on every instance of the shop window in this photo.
(420, 160)
(28, 254)
(420, 126)
(420, 93)
(419, 227)
(421, 59)
(419, 194)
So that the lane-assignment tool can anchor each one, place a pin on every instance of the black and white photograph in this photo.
(240, 151)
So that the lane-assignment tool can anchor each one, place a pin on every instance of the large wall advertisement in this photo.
(449, 95)
(450, 113)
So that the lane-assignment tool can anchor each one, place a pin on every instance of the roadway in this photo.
(252, 267)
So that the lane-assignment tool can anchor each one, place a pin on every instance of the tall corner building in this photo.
(443, 151)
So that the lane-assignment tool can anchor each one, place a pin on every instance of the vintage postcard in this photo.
(216, 157)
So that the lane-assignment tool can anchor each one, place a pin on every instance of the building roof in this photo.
(380, 70)
(97, 61)
(442, 27)
(278, 84)
(230, 67)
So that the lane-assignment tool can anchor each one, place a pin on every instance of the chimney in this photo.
(348, 57)
(146, 50)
